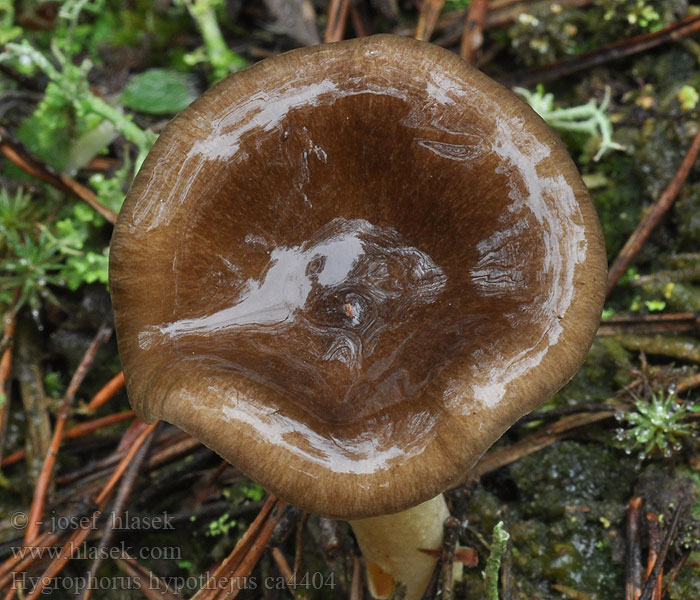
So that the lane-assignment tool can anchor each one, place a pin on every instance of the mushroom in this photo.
(348, 269)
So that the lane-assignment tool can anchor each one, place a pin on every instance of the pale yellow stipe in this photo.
(391, 546)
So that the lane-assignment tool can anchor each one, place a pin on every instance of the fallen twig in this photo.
(287, 573)
(156, 588)
(688, 383)
(107, 392)
(428, 18)
(77, 431)
(75, 541)
(28, 371)
(337, 20)
(22, 560)
(676, 347)
(231, 575)
(473, 32)
(205, 491)
(655, 540)
(359, 21)
(25, 160)
(649, 324)
(123, 493)
(5, 372)
(650, 586)
(447, 558)
(654, 214)
(675, 570)
(356, 581)
(299, 540)
(37, 507)
(633, 562)
(168, 448)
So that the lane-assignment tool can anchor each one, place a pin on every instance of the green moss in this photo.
(606, 369)
(632, 17)
(658, 154)
(665, 69)
(617, 203)
(652, 123)
(572, 497)
(694, 476)
(570, 474)
(567, 522)
(686, 216)
(484, 508)
(657, 425)
(550, 31)
(687, 584)
(679, 297)
(547, 32)
(662, 489)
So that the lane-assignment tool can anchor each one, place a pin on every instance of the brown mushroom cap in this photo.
(349, 268)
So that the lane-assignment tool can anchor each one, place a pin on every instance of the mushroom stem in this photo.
(392, 544)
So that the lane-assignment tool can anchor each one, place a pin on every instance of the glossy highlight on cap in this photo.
(349, 268)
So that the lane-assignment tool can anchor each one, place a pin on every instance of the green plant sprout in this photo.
(220, 526)
(110, 191)
(223, 61)
(8, 30)
(588, 118)
(252, 491)
(34, 264)
(688, 97)
(245, 491)
(44, 248)
(15, 211)
(68, 84)
(35, 257)
(27, 262)
(656, 425)
(639, 12)
(651, 305)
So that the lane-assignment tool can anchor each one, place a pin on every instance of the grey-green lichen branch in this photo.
(589, 118)
(493, 563)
